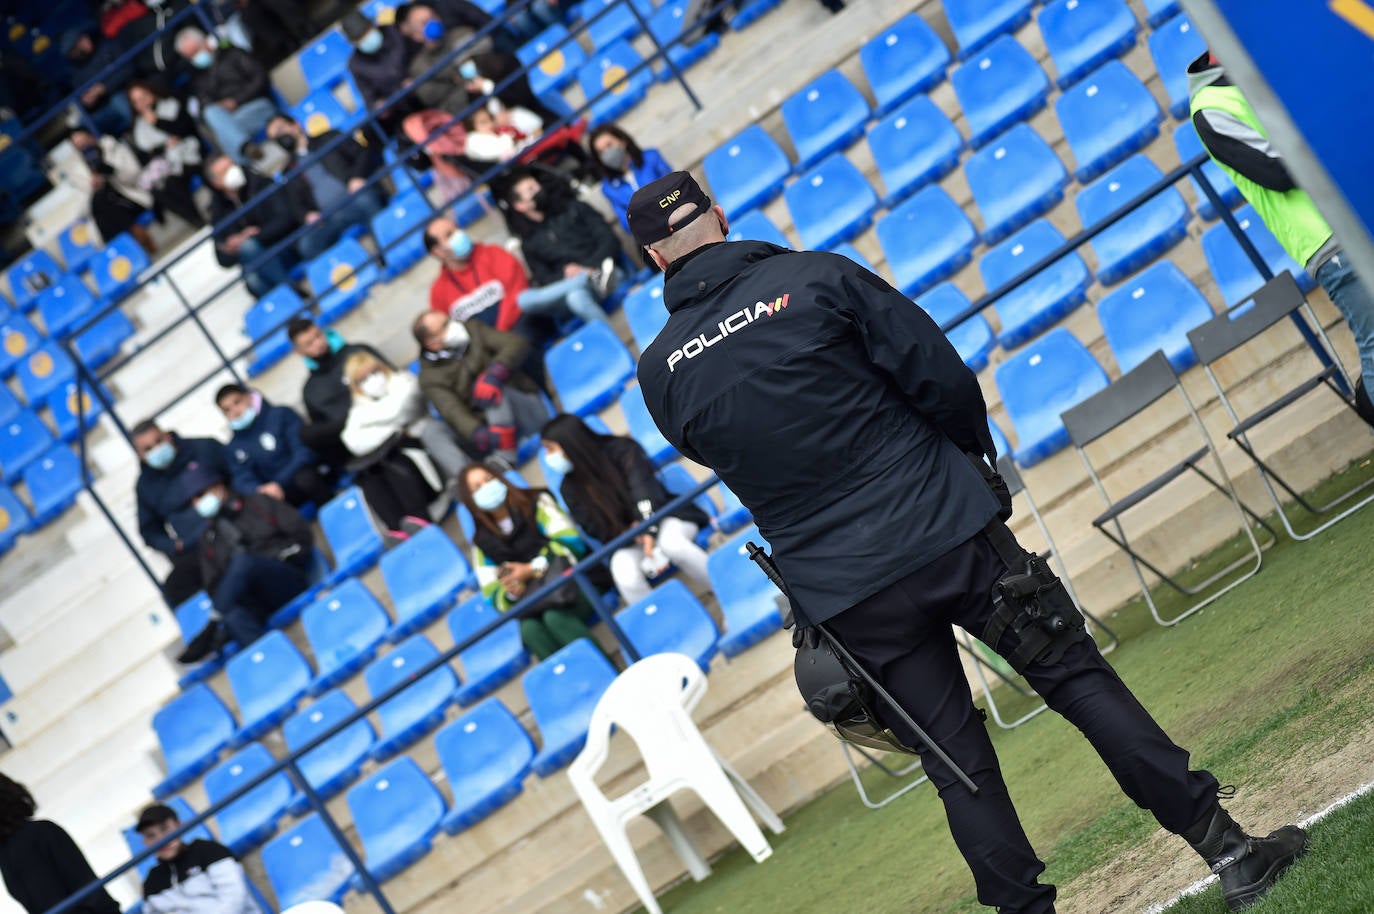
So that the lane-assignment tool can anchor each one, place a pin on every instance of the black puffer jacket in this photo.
(258, 524)
(572, 233)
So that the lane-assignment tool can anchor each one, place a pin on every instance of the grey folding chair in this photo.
(896, 774)
(1227, 332)
(1109, 409)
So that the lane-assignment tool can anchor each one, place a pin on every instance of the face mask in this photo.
(434, 30)
(370, 43)
(541, 200)
(467, 69)
(558, 462)
(202, 59)
(234, 178)
(613, 157)
(208, 505)
(243, 419)
(460, 244)
(161, 456)
(289, 142)
(490, 495)
(374, 385)
(456, 337)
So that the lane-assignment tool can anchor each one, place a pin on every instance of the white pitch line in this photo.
(1160, 907)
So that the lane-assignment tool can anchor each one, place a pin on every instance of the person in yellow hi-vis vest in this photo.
(1238, 142)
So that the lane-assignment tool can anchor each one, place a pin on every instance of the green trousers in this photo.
(545, 633)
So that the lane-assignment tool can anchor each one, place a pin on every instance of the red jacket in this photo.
(493, 278)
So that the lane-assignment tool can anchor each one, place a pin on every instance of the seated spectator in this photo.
(166, 518)
(232, 88)
(484, 72)
(326, 395)
(253, 559)
(523, 24)
(266, 454)
(571, 251)
(91, 55)
(40, 863)
(391, 406)
(110, 173)
(200, 877)
(521, 542)
(624, 167)
(609, 486)
(497, 134)
(470, 372)
(380, 65)
(277, 28)
(249, 234)
(165, 139)
(447, 90)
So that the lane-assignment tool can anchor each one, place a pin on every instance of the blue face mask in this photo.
(490, 495)
(434, 30)
(202, 59)
(243, 419)
(371, 43)
(208, 505)
(460, 244)
(467, 69)
(161, 456)
(558, 462)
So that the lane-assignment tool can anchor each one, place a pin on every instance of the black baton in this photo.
(765, 563)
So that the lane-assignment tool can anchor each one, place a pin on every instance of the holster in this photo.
(1030, 601)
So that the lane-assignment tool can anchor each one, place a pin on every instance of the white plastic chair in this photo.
(652, 702)
(314, 907)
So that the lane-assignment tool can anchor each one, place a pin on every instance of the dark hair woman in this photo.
(523, 540)
(609, 486)
(624, 167)
(40, 862)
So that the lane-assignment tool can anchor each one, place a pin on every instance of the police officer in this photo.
(844, 420)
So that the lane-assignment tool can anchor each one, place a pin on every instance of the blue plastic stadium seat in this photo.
(678, 481)
(1154, 310)
(1236, 276)
(352, 536)
(1106, 117)
(746, 171)
(77, 244)
(306, 864)
(607, 69)
(64, 305)
(102, 340)
(848, 250)
(252, 819)
(417, 710)
(912, 146)
(324, 61)
(396, 812)
(62, 406)
(1189, 146)
(589, 368)
(492, 661)
(341, 278)
(1146, 233)
(925, 240)
(666, 24)
(9, 405)
(192, 616)
(977, 22)
(752, 11)
(1000, 86)
(1014, 179)
(1174, 45)
(755, 226)
(53, 481)
(423, 575)
(553, 59)
(616, 24)
(1158, 11)
(317, 576)
(344, 628)
(271, 311)
(973, 338)
(22, 441)
(486, 756)
(116, 267)
(670, 620)
(29, 275)
(335, 763)
(641, 427)
(748, 600)
(1083, 34)
(192, 730)
(905, 59)
(824, 116)
(18, 338)
(321, 111)
(1047, 297)
(999, 438)
(268, 678)
(644, 311)
(733, 513)
(831, 203)
(1041, 381)
(14, 519)
(397, 232)
(563, 691)
(135, 841)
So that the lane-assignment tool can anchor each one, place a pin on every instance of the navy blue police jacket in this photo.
(831, 404)
(269, 450)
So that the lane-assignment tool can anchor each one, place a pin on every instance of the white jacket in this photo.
(371, 422)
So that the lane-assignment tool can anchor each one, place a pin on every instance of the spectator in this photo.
(165, 139)
(393, 406)
(232, 88)
(624, 167)
(167, 520)
(200, 877)
(277, 28)
(91, 56)
(40, 863)
(110, 172)
(571, 251)
(253, 559)
(265, 450)
(469, 372)
(380, 65)
(326, 395)
(487, 71)
(250, 233)
(447, 90)
(498, 135)
(510, 34)
(521, 542)
(609, 486)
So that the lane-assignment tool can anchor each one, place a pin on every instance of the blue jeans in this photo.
(252, 588)
(359, 210)
(270, 273)
(234, 128)
(567, 296)
(1356, 305)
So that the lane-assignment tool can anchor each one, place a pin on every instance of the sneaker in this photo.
(412, 525)
(210, 641)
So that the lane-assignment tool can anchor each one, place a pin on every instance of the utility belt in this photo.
(1030, 601)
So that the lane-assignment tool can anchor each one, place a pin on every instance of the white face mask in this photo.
(234, 178)
(374, 385)
(456, 337)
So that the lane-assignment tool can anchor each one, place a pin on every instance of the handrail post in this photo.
(661, 51)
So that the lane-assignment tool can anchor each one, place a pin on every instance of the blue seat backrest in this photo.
(306, 864)
(564, 688)
(195, 723)
(1038, 383)
(670, 619)
(906, 58)
(483, 748)
(746, 170)
(1152, 310)
(589, 367)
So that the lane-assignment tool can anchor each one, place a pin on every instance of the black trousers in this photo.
(902, 636)
(184, 580)
(310, 486)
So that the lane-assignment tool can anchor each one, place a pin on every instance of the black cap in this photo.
(156, 815)
(654, 204)
(197, 478)
(356, 25)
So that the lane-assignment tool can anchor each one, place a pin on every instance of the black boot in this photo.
(1363, 407)
(211, 640)
(1247, 867)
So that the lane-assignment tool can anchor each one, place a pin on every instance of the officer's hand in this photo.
(810, 636)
